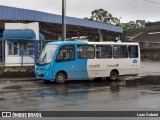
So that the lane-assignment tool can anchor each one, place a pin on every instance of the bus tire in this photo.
(113, 75)
(60, 78)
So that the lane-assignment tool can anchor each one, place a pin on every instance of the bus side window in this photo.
(120, 51)
(86, 52)
(103, 51)
(133, 51)
(66, 53)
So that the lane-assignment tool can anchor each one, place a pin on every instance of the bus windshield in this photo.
(47, 54)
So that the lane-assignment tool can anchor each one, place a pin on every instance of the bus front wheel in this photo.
(60, 78)
(113, 75)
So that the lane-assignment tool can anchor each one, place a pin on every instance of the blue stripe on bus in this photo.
(81, 71)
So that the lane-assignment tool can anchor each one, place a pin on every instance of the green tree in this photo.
(140, 23)
(132, 25)
(101, 15)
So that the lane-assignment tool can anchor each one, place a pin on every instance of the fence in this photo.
(22, 54)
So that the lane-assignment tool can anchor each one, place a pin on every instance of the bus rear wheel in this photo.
(60, 78)
(113, 75)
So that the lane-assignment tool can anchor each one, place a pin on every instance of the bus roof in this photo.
(93, 43)
(113, 43)
(68, 42)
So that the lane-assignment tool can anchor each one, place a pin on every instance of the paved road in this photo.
(139, 94)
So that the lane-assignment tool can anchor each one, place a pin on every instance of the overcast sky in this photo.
(127, 10)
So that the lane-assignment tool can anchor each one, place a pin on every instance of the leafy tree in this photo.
(101, 15)
(140, 23)
(132, 25)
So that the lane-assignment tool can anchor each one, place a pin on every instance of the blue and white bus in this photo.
(76, 60)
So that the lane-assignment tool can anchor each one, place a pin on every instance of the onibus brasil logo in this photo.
(21, 114)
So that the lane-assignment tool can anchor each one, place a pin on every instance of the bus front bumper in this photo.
(44, 75)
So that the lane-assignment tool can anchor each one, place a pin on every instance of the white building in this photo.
(21, 44)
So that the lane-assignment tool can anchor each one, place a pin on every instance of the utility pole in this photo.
(63, 20)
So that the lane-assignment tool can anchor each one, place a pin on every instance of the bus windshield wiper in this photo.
(42, 60)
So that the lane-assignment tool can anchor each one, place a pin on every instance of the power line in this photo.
(152, 1)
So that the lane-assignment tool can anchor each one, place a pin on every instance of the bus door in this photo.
(81, 69)
(84, 53)
(66, 61)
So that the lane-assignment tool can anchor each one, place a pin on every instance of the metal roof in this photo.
(12, 13)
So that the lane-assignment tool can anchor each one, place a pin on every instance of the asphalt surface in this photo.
(131, 93)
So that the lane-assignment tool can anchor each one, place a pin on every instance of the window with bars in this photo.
(13, 48)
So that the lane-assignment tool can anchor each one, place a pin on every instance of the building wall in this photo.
(150, 51)
(34, 26)
(150, 54)
(16, 71)
(16, 60)
(149, 45)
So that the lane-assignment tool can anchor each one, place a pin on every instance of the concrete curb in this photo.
(19, 79)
